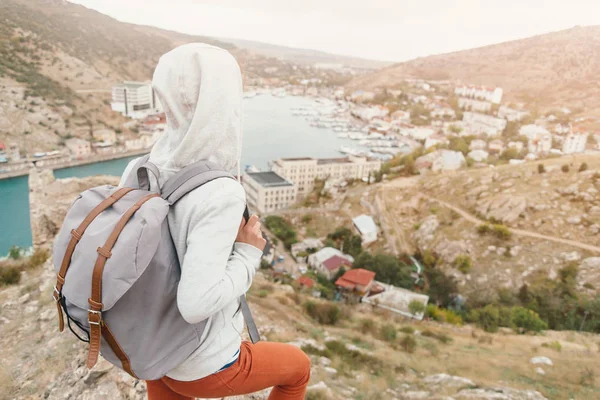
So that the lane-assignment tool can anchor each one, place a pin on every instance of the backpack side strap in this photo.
(95, 321)
(76, 235)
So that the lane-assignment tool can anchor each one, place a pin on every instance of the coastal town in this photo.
(446, 126)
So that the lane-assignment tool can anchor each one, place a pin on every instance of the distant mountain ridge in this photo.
(550, 70)
(305, 56)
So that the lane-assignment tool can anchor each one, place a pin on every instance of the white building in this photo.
(134, 99)
(478, 155)
(368, 113)
(480, 93)
(516, 145)
(13, 153)
(511, 114)
(337, 259)
(397, 300)
(474, 105)
(575, 141)
(267, 191)
(400, 117)
(419, 133)
(441, 160)
(366, 227)
(435, 140)
(107, 136)
(539, 139)
(79, 148)
(361, 95)
(303, 171)
(482, 124)
(443, 111)
(496, 146)
(478, 144)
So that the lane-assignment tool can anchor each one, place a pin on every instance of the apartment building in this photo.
(478, 124)
(79, 148)
(267, 191)
(493, 95)
(575, 141)
(304, 170)
(134, 99)
(539, 139)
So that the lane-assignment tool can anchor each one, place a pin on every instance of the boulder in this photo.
(541, 360)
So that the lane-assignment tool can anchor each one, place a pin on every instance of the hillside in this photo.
(58, 61)
(366, 353)
(305, 56)
(559, 69)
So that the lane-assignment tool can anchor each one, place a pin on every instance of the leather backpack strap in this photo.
(76, 235)
(95, 301)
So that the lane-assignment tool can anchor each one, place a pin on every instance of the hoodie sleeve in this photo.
(213, 274)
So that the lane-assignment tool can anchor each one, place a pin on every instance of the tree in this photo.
(282, 229)
(583, 167)
(441, 287)
(345, 240)
(489, 318)
(459, 144)
(527, 320)
(541, 169)
(387, 269)
(14, 253)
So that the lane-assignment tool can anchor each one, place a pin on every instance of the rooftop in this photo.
(268, 179)
(342, 160)
(306, 281)
(335, 262)
(365, 224)
(297, 159)
(132, 84)
(355, 277)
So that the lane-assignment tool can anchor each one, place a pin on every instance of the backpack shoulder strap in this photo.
(132, 178)
(191, 177)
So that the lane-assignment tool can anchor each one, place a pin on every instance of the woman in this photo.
(200, 89)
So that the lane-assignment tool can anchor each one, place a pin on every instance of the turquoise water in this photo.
(270, 132)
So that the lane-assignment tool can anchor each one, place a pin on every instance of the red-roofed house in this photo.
(2, 146)
(305, 282)
(332, 265)
(356, 280)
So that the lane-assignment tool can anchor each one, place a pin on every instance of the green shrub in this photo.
(553, 345)
(463, 263)
(541, 169)
(501, 232)
(527, 320)
(409, 330)
(368, 326)
(352, 359)
(583, 167)
(262, 293)
(388, 332)
(282, 229)
(416, 307)
(323, 313)
(15, 253)
(408, 343)
(484, 229)
(306, 218)
(440, 315)
(437, 336)
(564, 168)
(10, 275)
(316, 395)
(489, 318)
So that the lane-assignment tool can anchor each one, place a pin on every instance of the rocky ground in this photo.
(38, 362)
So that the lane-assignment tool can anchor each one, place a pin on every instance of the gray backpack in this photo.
(118, 271)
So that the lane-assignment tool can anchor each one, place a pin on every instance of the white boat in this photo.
(342, 135)
(248, 95)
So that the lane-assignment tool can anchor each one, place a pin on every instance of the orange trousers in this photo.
(259, 366)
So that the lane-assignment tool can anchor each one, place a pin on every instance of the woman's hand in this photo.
(250, 233)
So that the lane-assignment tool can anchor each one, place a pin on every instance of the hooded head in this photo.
(200, 89)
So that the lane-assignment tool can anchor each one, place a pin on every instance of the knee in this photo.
(304, 361)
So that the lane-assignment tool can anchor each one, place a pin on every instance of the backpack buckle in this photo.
(94, 317)
(56, 295)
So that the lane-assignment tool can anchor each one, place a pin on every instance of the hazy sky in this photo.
(388, 30)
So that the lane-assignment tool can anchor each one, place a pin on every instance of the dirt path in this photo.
(517, 232)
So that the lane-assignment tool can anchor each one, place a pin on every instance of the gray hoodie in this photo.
(200, 88)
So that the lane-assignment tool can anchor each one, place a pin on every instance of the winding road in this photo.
(517, 232)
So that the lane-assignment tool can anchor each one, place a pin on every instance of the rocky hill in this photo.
(59, 60)
(558, 69)
(367, 353)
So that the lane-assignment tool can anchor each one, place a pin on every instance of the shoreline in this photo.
(75, 163)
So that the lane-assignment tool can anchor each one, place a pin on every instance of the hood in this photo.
(200, 89)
